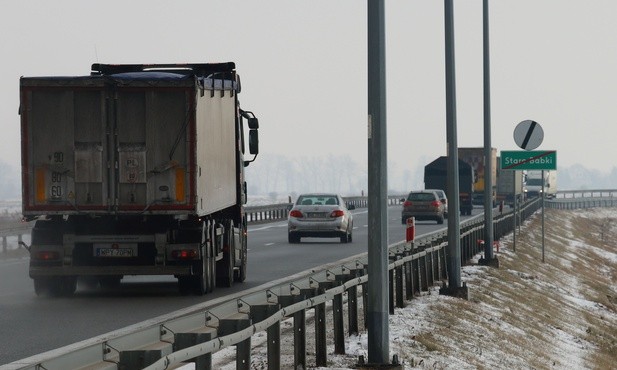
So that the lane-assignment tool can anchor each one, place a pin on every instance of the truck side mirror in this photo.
(253, 141)
(253, 123)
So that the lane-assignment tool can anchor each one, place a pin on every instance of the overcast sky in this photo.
(303, 67)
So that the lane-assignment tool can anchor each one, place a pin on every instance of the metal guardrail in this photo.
(276, 212)
(254, 214)
(202, 330)
(197, 333)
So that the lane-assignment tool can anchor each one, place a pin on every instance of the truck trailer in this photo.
(475, 158)
(436, 177)
(136, 169)
(509, 186)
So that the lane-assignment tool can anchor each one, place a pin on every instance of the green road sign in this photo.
(529, 160)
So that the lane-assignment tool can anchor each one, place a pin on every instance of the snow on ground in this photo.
(526, 314)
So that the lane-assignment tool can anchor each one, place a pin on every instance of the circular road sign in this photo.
(528, 135)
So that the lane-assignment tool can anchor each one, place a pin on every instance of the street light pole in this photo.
(378, 298)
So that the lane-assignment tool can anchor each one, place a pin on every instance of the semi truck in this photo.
(436, 177)
(136, 169)
(475, 158)
(534, 183)
(509, 186)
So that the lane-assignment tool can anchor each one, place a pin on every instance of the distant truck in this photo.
(475, 158)
(136, 170)
(533, 185)
(436, 177)
(509, 186)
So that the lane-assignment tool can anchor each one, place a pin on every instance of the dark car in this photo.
(444, 200)
(320, 215)
(423, 205)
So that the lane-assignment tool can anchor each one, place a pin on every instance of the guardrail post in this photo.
(400, 301)
(391, 291)
(321, 351)
(141, 358)
(243, 349)
(352, 310)
(429, 268)
(273, 333)
(416, 275)
(339, 329)
(443, 263)
(365, 301)
(423, 273)
(408, 280)
(4, 244)
(300, 340)
(189, 339)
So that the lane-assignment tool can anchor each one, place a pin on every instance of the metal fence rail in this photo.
(275, 212)
(196, 334)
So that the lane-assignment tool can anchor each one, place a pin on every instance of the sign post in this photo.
(528, 135)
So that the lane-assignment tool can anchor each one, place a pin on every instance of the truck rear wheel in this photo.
(225, 267)
(110, 282)
(240, 273)
(185, 284)
(56, 286)
(203, 281)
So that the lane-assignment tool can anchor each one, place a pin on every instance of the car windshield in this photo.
(307, 200)
(421, 197)
(534, 182)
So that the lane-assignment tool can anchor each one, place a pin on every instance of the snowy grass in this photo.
(560, 314)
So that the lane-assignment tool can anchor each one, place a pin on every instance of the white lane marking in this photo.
(268, 244)
(266, 227)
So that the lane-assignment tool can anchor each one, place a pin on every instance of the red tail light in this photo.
(184, 254)
(435, 203)
(46, 255)
(407, 204)
(295, 213)
(337, 213)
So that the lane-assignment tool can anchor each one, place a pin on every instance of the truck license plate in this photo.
(121, 250)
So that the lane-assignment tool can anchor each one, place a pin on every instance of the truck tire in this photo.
(110, 282)
(56, 286)
(201, 277)
(41, 286)
(185, 284)
(212, 280)
(225, 267)
(68, 285)
(240, 273)
(203, 281)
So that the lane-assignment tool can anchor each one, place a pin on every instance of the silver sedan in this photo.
(320, 215)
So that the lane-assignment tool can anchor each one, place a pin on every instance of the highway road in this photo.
(32, 325)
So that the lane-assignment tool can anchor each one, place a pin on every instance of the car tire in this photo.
(440, 220)
(293, 239)
(404, 220)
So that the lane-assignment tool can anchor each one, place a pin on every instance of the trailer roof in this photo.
(198, 69)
